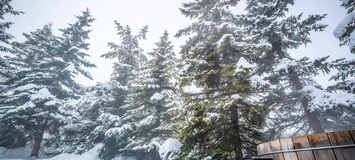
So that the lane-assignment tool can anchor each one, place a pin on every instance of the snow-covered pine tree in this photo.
(130, 57)
(345, 29)
(345, 67)
(90, 123)
(267, 20)
(45, 82)
(154, 94)
(6, 8)
(24, 107)
(224, 117)
(339, 97)
(5, 69)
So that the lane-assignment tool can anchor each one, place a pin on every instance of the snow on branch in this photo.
(170, 146)
(42, 94)
(321, 99)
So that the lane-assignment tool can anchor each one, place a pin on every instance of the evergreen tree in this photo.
(44, 83)
(130, 57)
(153, 96)
(267, 21)
(225, 116)
(345, 67)
(344, 30)
(6, 71)
(6, 8)
(88, 127)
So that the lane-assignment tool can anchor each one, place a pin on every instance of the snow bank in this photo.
(19, 154)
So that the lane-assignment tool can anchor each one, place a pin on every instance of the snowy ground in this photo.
(169, 146)
(19, 154)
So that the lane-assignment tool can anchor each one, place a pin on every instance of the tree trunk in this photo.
(38, 140)
(236, 133)
(313, 120)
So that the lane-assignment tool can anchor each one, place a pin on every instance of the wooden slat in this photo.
(342, 138)
(302, 142)
(276, 146)
(321, 140)
(265, 148)
(353, 134)
(287, 144)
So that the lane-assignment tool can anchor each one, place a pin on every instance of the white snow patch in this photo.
(207, 23)
(51, 103)
(25, 106)
(322, 98)
(284, 64)
(243, 63)
(146, 121)
(26, 87)
(210, 116)
(223, 38)
(118, 130)
(156, 96)
(236, 96)
(257, 80)
(70, 68)
(42, 94)
(169, 147)
(340, 29)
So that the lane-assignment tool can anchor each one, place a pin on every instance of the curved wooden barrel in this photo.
(324, 146)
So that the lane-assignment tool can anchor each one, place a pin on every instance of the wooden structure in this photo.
(324, 146)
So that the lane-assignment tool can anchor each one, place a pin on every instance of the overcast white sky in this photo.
(158, 15)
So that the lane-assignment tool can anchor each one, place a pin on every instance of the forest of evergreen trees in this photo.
(248, 88)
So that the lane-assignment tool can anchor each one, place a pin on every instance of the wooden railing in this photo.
(324, 146)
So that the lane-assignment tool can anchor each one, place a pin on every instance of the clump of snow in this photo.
(223, 38)
(243, 63)
(86, 73)
(192, 89)
(146, 121)
(42, 94)
(209, 117)
(236, 96)
(184, 69)
(107, 118)
(25, 106)
(118, 130)
(257, 80)
(154, 143)
(26, 87)
(156, 96)
(59, 59)
(321, 98)
(284, 64)
(70, 68)
(207, 23)
(340, 29)
(51, 103)
(170, 146)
